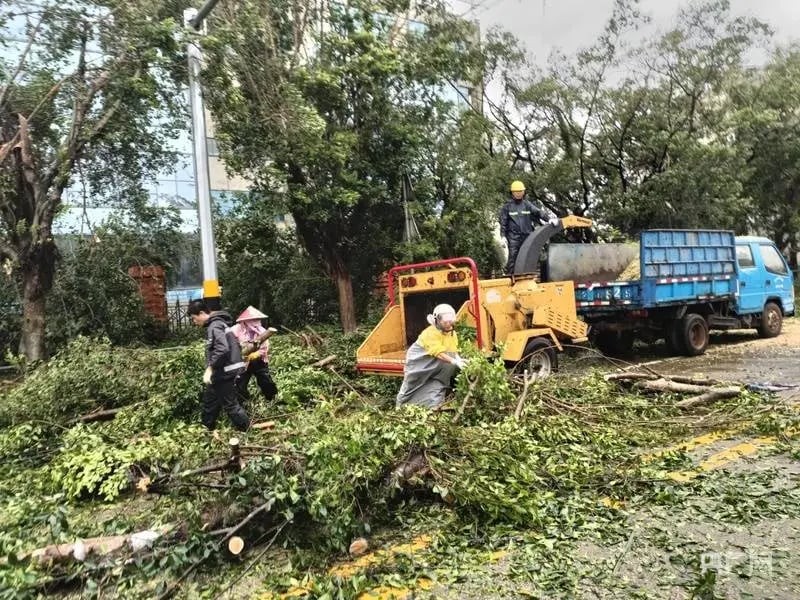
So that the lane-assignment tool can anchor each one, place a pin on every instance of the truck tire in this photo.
(693, 334)
(615, 343)
(673, 338)
(771, 321)
(539, 357)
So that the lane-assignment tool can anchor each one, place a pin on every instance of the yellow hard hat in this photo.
(517, 186)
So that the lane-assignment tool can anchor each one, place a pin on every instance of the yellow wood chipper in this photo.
(525, 320)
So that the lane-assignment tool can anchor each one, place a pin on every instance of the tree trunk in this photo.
(37, 280)
(347, 306)
(32, 343)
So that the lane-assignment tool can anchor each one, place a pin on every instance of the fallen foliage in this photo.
(328, 463)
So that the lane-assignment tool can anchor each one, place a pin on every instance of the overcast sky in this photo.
(544, 25)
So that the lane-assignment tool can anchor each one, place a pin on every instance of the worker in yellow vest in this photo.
(432, 361)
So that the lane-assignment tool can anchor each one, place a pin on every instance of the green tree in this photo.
(768, 126)
(666, 156)
(638, 135)
(333, 103)
(83, 85)
(460, 190)
(263, 266)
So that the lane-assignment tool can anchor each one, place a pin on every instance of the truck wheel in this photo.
(771, 321)
(615, 343)
(672, 338)
(540, 357)
(694, 334)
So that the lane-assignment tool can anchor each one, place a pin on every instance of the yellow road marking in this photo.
(386, 592)
(497, 555)
(351, 568)
(692, 443)
(720, 459)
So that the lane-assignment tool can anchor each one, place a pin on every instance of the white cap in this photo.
(442, 311)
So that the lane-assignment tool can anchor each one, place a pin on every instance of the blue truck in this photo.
(689, 282)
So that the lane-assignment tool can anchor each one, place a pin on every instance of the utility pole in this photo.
(195, 19)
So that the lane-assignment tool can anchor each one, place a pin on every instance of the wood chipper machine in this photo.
(524, 320)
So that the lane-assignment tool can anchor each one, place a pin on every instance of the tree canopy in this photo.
(87, 89)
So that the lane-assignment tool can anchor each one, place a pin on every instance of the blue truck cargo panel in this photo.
(676, 266)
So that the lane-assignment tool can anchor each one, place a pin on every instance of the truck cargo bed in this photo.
(676, 267)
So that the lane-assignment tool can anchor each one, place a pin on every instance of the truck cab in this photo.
(764, 278)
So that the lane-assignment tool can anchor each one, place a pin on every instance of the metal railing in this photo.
(177, 316)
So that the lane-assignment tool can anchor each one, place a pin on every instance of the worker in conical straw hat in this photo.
(254, 339)
(432, 361)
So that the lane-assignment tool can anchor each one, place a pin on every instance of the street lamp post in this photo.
(195, 19)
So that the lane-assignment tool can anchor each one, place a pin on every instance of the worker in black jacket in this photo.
(518, 217)
(223, 364)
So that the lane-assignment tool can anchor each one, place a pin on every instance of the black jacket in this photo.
(223, 353)
(517, 219)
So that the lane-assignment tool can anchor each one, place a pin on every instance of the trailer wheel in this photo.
(615, 343)
(540, 358)
(771, 321)
(694, 334)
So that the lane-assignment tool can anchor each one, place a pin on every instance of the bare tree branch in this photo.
(20, 63)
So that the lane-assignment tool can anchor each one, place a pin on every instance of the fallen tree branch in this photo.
(230, 532)
(97, 546)
(709, 397)
(665, 385)
(678, 379)
(527, 379)
(233, 464)
(415, 464)
(695, 380)
(254, 561)
(101, 414)
(98, 415)
(325, 361)
(472, 384)
(628, 376)
(318, 337)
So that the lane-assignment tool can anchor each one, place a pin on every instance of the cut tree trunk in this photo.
(347, 306)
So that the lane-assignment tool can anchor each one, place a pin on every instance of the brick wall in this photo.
(153, 289)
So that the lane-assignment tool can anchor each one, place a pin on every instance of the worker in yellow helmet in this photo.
(518, 216)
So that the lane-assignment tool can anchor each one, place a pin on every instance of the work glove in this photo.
(555, 221)
(254, 355)
(460, 362)
(207, 376)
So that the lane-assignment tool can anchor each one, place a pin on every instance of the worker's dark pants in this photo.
(260, 370)
(219, 395)
(514, 244)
